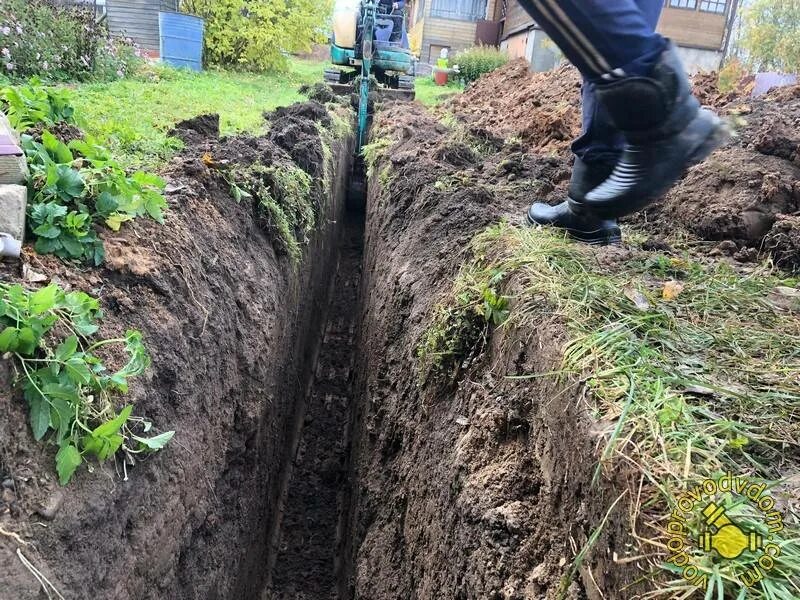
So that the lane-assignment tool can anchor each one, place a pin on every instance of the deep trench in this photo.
(306, 561)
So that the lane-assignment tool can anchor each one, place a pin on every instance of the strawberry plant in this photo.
(67, 386)
(27, 105)
(73, 187)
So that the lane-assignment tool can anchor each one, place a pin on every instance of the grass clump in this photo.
(374, 152)
(461, 324)
(69, 390)
(696, 365)
(282, 195)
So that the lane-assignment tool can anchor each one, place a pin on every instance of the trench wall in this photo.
(232, 328)
(477, 489)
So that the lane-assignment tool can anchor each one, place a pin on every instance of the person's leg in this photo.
(639, 81)
(600, 140)
(599, 36)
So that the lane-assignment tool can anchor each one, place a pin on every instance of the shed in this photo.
(138, 20)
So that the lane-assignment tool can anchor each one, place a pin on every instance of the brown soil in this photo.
(738, 194)
(705, 86)
(232, 327)
(542, 109)
(64, 132)
(749, 191)
(313, 459)
(467, 490)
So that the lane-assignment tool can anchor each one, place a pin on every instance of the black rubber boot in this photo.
(665, 130)
(571, 215)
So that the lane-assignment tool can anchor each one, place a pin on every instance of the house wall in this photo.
(451, 33)
(692, 28)
(699, 59)
(138, 19)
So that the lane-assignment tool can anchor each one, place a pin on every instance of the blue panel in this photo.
(181, 40)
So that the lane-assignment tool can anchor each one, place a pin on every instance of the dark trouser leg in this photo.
(599, 36)
(601, 141)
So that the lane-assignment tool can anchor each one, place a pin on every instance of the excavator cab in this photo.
(370, 39)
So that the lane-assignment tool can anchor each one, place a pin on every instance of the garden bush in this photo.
(258, 35)
(60, 43)
(474, 62)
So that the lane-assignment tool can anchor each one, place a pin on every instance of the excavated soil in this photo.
(542, 109)
(747, 194)
(233, 327)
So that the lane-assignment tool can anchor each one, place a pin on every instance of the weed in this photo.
(66, 385)
(375, 151)
(460, 325)
(283, 198)
(27, 105)
(476, 61)
(70, 193)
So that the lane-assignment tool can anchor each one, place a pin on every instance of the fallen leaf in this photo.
(671, 290)
(31, 276)
(463, 421)
(637, 298)
(208, 159)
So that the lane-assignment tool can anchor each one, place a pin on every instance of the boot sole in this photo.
(598, 237)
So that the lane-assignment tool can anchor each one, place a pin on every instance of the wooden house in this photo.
(138, 20)
(700, 28)
(451, 24)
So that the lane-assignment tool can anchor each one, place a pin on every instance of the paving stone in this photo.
(13, 201)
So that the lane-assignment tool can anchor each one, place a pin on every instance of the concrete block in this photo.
(13, 202)
(6, 129)
(13, 169)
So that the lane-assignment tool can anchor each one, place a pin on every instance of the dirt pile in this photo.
(739, 194)
(230, 324)
(705, 86)
(542, 109)
(748, 192)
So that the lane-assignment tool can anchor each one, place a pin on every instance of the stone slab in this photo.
(13, 202)
(13, 169)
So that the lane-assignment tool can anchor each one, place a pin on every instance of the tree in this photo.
(257, 35)
(771, 35)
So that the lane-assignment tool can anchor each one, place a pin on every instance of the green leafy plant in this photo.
(28, 105)
(460, 327)
(258, 35)
(474, 62)
(67, 386)
(71, 192)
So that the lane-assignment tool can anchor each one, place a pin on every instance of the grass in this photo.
(133, 116)
(431, 94)
(695, 370)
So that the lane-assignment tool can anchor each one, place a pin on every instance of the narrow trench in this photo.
(305, 561)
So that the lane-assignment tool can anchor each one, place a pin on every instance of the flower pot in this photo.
(440, 77)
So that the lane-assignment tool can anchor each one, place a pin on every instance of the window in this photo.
(692, 4)
(714, 6)
(465, 10)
